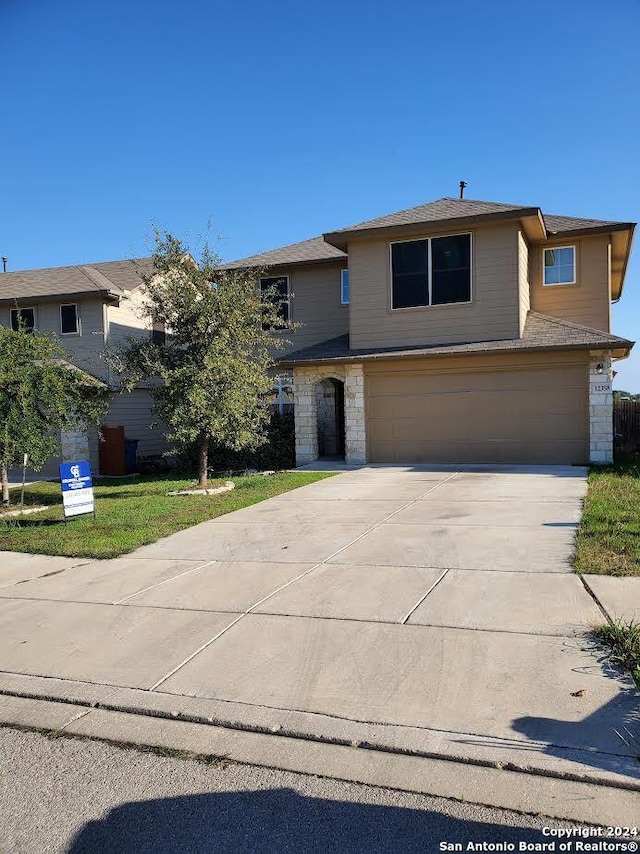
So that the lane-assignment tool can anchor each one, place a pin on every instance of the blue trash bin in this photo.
(131, 456)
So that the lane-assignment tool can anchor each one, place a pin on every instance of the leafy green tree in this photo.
(210, 377)
(40, 394)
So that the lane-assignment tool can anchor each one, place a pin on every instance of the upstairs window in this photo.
(451, 269)
(436, 271)
(25, 317)
(69, 322)
(560, 266)
(344, 287)
(410, 273)
(276, 288)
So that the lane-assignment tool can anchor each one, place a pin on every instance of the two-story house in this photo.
(455, 331)
(89, 308)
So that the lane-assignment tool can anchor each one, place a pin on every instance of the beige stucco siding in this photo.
(522, 409)
(587, 302)
(523, 279)
(315, 304)
(492, 314)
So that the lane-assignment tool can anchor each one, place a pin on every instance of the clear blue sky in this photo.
(281, 120)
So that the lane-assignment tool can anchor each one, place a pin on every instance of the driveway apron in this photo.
(434, 604)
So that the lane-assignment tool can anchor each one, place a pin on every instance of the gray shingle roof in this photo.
(446, 208)
(450, 209)
(315, 249)
(115, 276)
(541, 332)
(559, 224)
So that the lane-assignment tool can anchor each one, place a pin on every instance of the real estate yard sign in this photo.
(77, 489)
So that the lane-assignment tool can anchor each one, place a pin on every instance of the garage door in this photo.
(527, 413)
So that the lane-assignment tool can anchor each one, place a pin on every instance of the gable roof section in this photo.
(541, 332)
(108, 277)
(315, 249)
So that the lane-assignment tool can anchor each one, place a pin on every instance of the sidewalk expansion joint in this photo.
(302, 575)
(165, 581)
(586, 586)
(423, 597)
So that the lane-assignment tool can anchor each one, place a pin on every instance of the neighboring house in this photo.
(90, 308)
(455, 331)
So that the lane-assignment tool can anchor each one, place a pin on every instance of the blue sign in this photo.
(77, 488)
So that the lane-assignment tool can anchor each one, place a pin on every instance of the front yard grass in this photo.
(132, 512)
(608, 538)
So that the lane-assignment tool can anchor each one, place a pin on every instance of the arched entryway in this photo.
(330, 402)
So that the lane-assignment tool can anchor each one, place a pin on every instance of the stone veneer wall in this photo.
(305, 381)
(600, 409)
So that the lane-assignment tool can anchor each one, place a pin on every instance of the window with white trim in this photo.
(344, 287)
(434, 271)
(23, 317)
(276, 288)
(69, 320)
(560, 266)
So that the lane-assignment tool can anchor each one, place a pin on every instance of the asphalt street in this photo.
(69, 795)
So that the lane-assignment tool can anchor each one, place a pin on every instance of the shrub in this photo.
(278, 452)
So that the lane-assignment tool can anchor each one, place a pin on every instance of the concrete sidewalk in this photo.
(428, 613)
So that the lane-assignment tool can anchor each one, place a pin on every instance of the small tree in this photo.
(211, 376)
(40, 394)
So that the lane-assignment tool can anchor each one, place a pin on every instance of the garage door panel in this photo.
(494, 417)
(402, 385)
(535, 415)
(411, 430)
(513, 452)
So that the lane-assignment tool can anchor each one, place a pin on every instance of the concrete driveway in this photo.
(421, 610)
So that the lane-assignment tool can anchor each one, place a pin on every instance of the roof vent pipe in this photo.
(463, 184)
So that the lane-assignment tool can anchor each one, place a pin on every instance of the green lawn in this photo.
(608, 539)
(131, 513)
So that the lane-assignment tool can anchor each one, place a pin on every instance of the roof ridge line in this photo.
(111, 285)
(483, 202)
(76, 265)
(83, 269)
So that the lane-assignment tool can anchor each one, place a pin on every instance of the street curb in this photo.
(584, 802)
(523, 756)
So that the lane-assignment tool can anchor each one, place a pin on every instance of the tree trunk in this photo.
(203, 461)
(5, 484)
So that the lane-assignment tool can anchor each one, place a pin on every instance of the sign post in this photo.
(77, 489)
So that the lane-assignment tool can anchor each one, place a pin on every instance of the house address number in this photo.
(602, 387)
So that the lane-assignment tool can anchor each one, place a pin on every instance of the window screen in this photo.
(409, 266)
(451, 269)
(23, 316)
(560, 266)
(68, 319)
(344, 287)
(276, 288)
